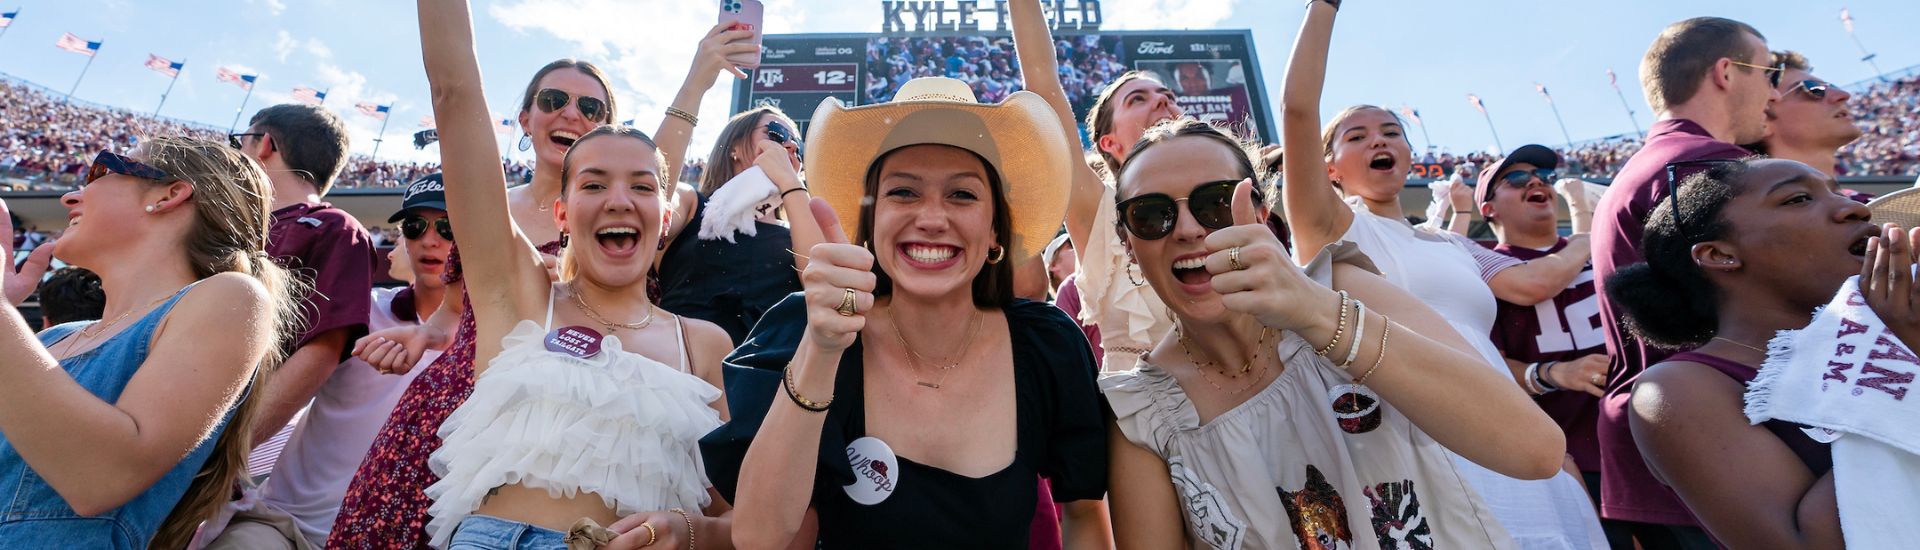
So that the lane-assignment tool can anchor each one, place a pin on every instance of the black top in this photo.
(1061, 436)
(731, 284)
(1816, 455)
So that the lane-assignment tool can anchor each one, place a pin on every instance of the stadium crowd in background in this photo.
(940, 319)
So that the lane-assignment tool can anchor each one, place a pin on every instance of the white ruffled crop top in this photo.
(615, 423)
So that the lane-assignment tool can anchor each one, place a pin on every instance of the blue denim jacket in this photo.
(37, 517)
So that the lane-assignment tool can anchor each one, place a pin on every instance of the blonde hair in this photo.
(232, 204)
(569, 265)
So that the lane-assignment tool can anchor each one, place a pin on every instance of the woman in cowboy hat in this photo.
(905, 399)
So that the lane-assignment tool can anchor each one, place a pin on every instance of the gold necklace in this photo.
(1203, 366)
(87, 333)
(1730, 341)
(914, 358)
(611, 326)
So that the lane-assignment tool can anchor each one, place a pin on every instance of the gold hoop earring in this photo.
(996, 255)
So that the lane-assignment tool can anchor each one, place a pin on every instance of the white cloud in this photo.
(274, 7)
(1166, 14)
(283, 45)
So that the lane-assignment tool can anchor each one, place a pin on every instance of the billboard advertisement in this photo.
(1215, 74)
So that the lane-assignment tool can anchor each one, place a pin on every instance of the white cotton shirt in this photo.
(327, 446)
(1444, 272)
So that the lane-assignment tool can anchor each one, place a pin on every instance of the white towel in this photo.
(1440, 208)
(734, 207)
(1847, 373)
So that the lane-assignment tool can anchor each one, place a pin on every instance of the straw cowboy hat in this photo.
(1901, 207)
(1020, 137)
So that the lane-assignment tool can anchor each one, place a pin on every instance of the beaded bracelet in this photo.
(1386, 329)
(682, 114)
(1337, 329)
(689, 518)
(805, 404)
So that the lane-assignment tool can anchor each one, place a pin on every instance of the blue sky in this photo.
(1425, 54)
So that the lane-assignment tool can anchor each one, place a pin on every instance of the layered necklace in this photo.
(611, 326)
(1232, 373)
(914, 358)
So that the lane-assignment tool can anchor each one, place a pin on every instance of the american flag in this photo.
(426, 122)
(1542, 88)
(1477, 104)
(78, 45)
(1411, 113)
(504, 127)
(309, 96)
(163, 66)
(1845, 19)
(244, 81)
(372, 110)
(7, 18)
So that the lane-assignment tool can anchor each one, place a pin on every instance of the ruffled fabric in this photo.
(617, 424)
(1131, 317)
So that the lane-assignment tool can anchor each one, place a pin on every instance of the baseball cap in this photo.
(426, 192)
(1537, 155)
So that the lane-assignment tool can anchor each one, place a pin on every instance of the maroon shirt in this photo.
(1562, 329)
(1628, 491)
(325, 247)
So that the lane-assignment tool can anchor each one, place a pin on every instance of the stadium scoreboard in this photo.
(1214, 73)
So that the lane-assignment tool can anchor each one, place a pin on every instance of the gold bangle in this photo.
(805, 404)
(1385, 329)
(1337, 329)
(682, 114)
(689, 518)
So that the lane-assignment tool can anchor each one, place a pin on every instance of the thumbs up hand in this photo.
(1255, 275)
(838, 283)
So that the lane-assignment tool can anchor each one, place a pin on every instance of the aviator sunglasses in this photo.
(414, 227)
(1152, 216)
(591, 108)
(1814, 88)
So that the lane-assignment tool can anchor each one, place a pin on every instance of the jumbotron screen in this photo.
(1215, 74)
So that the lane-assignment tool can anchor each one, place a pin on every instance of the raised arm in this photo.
(1540, 279)
(1040, 72)
(496, 254)
(1314, 210)
(722, 49)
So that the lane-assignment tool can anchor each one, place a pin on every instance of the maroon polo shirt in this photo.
(1562, 329)
(326, 248)
(1628, 491)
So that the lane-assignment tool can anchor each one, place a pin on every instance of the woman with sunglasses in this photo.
(1367, 157)
(588, 400)
(732, 280)
(384, 505)
(1228, 427)
(1743, 250)
(1809, 123)
(128, 432)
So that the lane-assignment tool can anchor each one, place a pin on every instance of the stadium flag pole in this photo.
(83, 75)
(1556, 113)
(381, 137)
(242, 110)
(1623, 104)
(163, 95)
(1482, 107)
(1847, 20)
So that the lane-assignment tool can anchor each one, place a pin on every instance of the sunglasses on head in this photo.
(591, 108)
(1153, 216)
(415, 227)
(1673, 185)
(1815, 89)
(110, 163)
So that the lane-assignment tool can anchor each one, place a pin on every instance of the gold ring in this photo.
(846, 308)
(1233, 259)
(652, 535)
(1596, 379)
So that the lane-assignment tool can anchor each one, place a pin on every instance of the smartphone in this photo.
(749, 14)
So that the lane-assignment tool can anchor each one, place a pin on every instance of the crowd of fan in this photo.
(987, 64)
(47, 140)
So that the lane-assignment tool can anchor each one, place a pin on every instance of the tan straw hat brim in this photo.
(1020, 137)
(1900, 207)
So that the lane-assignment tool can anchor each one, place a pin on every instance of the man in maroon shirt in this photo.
(302, 148)
(1560, 340)
(1705, 78)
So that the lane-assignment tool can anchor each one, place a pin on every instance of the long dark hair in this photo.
(719, 166)
(1667, 300)
(993, 286)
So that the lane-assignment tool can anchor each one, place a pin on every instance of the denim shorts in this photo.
(478, 532)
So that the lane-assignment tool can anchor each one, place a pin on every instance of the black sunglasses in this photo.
(1673, 185)
(1152, 216)
(233, 140)
(1815, 89)
(591, 108)
(414, 227)
(110, 163)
